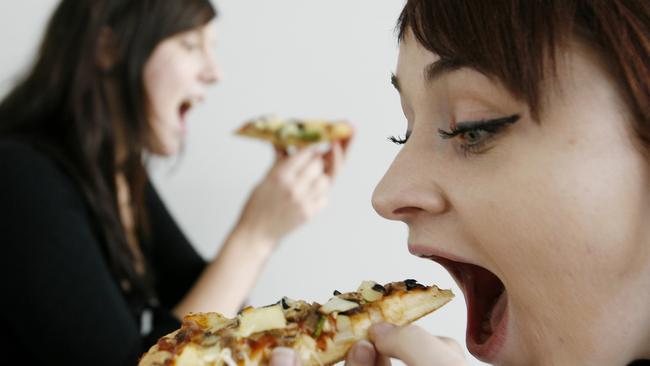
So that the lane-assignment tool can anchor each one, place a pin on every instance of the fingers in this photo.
(336, 156)
(292, 164)
(282, 356)
(415, 347)
(361, 354)
(280, 152)
(311, 169)
(333, 159)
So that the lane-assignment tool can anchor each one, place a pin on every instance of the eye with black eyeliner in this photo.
(475, 134)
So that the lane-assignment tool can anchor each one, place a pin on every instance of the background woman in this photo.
(95, 266)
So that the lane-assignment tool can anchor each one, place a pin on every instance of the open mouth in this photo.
(487, 303)
(185, 106)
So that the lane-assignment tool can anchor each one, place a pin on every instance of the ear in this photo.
(106, 53)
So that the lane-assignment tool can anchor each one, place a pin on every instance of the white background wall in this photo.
(300, 58)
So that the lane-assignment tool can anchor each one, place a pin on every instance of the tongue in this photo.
(498, 310)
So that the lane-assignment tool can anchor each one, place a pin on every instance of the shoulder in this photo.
(20, 155)
(28, 170)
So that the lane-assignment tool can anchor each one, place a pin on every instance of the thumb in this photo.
(415, 346)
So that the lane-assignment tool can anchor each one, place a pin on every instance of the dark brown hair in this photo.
(61, 105)
(516, 40)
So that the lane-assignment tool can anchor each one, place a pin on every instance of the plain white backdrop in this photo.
(293, 58)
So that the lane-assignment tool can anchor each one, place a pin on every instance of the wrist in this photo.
(253, 240)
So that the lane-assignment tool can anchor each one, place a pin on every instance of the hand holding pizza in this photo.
(409, 343)
(297, 185)
(294, 189)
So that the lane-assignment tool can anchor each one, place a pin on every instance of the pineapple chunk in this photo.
(253, 320)
(368, 292)
(336, 304)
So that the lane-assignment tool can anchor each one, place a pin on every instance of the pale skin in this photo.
(557, 208)
(295, 188)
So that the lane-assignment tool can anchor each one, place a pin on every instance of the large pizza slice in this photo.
(320, 334)
(295, 132)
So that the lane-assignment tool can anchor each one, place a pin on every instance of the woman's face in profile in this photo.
(543, 224)
(176, 77)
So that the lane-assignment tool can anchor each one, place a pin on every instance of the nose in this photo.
(410, 188)
(210, 72)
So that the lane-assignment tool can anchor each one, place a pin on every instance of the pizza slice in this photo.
(295, 132)
(320, 334)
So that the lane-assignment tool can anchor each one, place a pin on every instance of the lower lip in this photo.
(488, 351)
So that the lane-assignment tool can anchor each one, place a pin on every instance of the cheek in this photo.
(561, 220)
(165, 81)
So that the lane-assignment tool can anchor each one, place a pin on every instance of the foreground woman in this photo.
(524, 172)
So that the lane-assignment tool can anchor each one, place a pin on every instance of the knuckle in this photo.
(277, 176)
(294, 197)
(324, 182)
(304, 211)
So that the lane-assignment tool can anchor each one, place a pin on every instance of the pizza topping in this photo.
(411, 284)
(379, 288)
(368, 292)
(252, 320)
(298, 130)
(319, 326)
(337, 304)
(309, 323)
(295, 311)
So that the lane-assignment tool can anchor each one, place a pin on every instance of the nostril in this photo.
(406, 211)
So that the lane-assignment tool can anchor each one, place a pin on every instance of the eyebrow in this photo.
(434, 70)
(442, 67)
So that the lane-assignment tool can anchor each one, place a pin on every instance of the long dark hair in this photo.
(515, 40)
(61, 106)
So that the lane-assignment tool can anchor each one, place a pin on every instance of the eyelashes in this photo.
(490, 126)
(472, 134)
(400, 140)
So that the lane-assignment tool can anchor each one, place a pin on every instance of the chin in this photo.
(166, 148)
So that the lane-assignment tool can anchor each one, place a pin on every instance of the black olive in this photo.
(285, 306)
(379, 288)
(336, 292)
(411, 284)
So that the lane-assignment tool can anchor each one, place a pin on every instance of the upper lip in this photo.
(435, 254)
(194, 99)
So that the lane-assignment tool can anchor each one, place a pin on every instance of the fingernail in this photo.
(283, 356)
(380, 330)
(362, 353)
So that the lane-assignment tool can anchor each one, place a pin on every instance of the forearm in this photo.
(228, 279)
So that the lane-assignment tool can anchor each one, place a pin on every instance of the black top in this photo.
(60, 304)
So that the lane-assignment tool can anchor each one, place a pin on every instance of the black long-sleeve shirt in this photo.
(60, 303)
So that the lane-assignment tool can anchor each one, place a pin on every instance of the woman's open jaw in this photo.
(486, 298)
(184, 106)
